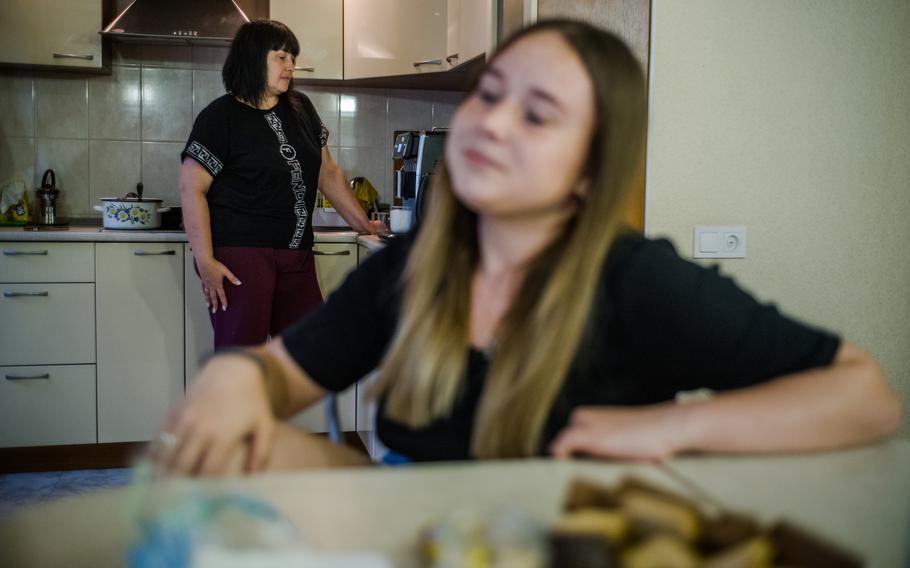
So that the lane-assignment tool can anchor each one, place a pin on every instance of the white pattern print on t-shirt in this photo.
(298, 187)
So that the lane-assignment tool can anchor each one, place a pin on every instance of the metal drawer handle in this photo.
(147, 253)
(338, 253)
(27, 377)
(9, 294)
(428, 62)
(454, 56)
(310, 69)
(73, 56)
(7, 252)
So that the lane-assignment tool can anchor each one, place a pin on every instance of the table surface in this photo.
(95, 233)
(857, 498)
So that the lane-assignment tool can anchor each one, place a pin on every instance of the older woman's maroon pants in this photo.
(278, 287)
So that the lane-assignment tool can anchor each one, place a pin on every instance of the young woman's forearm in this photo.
(844, 404)
(300, 390)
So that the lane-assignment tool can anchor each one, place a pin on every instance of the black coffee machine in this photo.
(420, 151)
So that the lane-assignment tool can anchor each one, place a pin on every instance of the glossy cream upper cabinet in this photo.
(51, 32)
(318, 27)
(476, 30)
(140, 307)
(394, 37)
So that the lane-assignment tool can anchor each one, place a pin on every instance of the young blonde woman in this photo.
(521, 320)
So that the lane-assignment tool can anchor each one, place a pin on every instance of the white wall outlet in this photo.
(727, 241)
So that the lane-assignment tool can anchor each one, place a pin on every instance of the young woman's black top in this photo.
(660, 325)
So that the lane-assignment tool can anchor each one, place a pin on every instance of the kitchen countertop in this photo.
(94, 233)
(858, 498)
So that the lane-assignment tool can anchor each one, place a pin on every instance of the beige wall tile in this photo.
(17, 106)
(114, 168)
(114, 104)
(62, 104)
(173, 56)
(370, 163)
(126, 54)
(69, 160)
(444, 105)
(17, 160)
(205, 57)
(167, 104)
(161, 170)
(207, 86)
(326, 103)
(362, 117)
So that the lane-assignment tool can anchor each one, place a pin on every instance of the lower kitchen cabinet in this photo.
(47, 405)
(140, 305)
(199, 336)
(333, 262)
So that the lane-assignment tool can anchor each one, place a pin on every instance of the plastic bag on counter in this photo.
(14, 206)
(365, 193)
(188, 523)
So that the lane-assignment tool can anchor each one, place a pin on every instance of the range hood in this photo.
(193, 22)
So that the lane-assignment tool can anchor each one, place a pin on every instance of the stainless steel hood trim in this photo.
(199, 22)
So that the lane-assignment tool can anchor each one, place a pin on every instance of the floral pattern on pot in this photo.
(130, 213)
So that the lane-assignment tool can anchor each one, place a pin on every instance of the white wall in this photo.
(792, 118)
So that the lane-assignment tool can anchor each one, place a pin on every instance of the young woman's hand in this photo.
(212, 274)
(226, 411)
(645, 433)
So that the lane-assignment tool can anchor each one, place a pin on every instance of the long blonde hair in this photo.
(424, 369)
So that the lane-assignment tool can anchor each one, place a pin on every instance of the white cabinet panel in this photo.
(333, 262)
(140, 337)
(313, 419)
(47, 405)
(318, 27)
(47, 262)
(394, 37)
(200, 339)
(50, 32)
(46, 324)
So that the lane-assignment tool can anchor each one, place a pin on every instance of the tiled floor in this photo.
(24, 489)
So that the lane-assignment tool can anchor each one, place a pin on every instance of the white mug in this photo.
(400, 220)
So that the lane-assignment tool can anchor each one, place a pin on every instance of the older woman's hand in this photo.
(212, 274)
(226, 411)
(643, 433)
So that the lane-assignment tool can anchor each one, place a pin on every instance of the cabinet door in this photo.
(318, 27)
(200, 339)
(139, 289)
(47, 262)
(47, 324)
(453, 22)
(476, 29)
(50, 32)
(394, 37)
(47, 405)
(333, 262)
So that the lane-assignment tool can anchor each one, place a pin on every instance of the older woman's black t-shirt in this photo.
(265, 169)
(660, 325)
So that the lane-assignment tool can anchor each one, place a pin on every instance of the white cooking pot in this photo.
(131, 213)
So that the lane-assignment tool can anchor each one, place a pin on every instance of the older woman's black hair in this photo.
(244, 72)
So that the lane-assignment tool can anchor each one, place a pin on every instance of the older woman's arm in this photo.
(334, 184)
(846, 403)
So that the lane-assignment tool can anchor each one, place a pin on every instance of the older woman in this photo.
(251, 168)
(522, 319)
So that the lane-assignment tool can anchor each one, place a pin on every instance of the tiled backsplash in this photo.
(103, 134)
